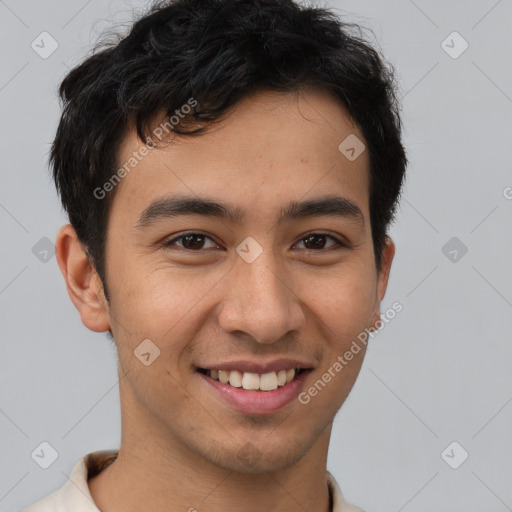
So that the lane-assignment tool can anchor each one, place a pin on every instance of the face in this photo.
(266, 283)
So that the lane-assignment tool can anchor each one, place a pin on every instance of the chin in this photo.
(260, 458)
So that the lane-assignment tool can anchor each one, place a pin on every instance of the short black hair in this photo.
(217, 52)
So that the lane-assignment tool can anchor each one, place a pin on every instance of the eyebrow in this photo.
(174, 206)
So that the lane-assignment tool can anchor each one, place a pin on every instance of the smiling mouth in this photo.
(254, 381)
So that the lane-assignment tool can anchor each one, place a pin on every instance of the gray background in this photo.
(439, 372)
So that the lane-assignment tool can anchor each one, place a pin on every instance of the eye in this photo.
(192, 241)
(317, 242)
(195, 241)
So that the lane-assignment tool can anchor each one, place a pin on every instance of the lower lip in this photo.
(258, 402)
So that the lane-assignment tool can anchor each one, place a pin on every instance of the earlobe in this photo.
(82, 281)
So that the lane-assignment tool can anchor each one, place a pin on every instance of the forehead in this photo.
(272, 147)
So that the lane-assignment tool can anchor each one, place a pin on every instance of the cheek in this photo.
(152, 308)
(345, 305)
(343, 299)
(161, 303)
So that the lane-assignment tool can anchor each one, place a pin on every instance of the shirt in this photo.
(74, 495)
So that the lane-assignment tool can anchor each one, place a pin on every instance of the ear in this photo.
(83, 283)
(388, 253)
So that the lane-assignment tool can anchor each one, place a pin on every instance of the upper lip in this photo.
(246, 365)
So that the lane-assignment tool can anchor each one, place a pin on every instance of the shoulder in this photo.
(339, 503)
(75, 493)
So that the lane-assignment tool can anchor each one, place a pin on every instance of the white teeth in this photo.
(235, 379)
(254, 381)
(223, 376)
(281, 377)
(250, 381)
(268, 381)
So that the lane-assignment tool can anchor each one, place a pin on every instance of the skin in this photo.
(180, 442)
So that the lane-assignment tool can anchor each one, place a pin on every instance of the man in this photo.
(230, 169)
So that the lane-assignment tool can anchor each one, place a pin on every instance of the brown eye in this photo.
(317, 241)
(193, 241)
(189, 241)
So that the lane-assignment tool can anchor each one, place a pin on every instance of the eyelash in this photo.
(339, 244)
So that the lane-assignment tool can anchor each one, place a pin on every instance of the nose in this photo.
(260, 301)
